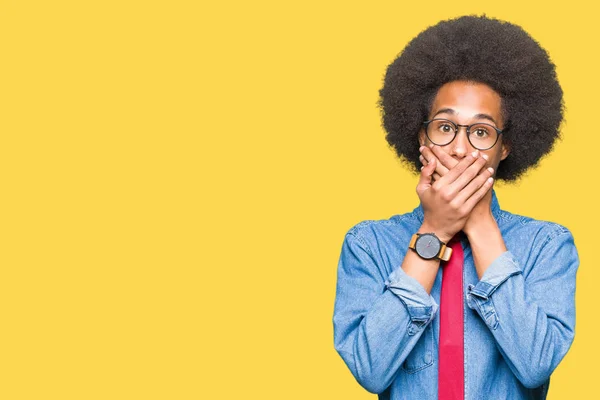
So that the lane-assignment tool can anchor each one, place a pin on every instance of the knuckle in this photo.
(468, 160)
(446, 195)
(479, 167)
(480, 181)
(455, 205)
(472, 170)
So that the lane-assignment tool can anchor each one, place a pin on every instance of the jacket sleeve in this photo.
(532, 318)
(377, 321)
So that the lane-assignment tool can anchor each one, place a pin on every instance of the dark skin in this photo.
(456, 181)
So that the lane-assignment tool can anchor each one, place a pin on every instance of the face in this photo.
(466, 103)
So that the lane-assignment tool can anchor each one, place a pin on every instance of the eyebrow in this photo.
(476, 116)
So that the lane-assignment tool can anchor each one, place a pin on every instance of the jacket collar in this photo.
(495, 206)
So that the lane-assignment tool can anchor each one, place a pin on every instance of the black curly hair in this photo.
(480, 49)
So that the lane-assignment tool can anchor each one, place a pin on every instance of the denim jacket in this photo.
(519, 319)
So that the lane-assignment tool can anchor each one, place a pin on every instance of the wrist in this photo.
(482, 227)
(487, 244)
(427, 228)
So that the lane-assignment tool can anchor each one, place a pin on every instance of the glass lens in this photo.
(482, 136)
(441, 131)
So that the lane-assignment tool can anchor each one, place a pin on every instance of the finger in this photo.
(427, 155)
(426, 176)
(473, 186)
(443, 157)
(424, 161)
(442, 168)
(479, 194)
(435, 176)
(458, 170)
(469, 174)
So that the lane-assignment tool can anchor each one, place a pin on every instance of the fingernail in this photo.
(485, 156)
(491, 170)
(474, 154)
(490, 180)
(421, 148)
(431, 146)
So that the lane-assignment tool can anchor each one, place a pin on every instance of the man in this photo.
(460, 299)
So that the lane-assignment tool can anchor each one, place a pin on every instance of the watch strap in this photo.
(413, 240)
(445, 252)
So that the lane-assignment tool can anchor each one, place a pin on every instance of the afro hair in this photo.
(480, 49)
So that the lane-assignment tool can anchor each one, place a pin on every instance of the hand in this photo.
(446, 163)
(448, 202)
(482, 209)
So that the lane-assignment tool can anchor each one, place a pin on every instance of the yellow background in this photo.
(177, 178)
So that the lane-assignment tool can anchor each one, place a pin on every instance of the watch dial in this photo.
(428, 246)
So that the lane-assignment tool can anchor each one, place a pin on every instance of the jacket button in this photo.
(428, 357)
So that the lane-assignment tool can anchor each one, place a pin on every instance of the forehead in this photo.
(467, 99)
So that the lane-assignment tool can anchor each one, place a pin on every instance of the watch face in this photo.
(428, 246)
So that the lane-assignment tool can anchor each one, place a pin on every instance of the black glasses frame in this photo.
(456, 128)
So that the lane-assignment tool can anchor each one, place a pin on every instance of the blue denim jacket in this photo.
(519, 319)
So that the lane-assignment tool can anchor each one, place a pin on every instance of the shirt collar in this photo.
(495, 206)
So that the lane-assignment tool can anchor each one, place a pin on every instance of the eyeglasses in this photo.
(443, 131)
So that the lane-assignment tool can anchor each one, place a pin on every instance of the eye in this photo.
(480, 132)
(445, 128)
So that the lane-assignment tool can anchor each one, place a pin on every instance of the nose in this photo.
(460, 145)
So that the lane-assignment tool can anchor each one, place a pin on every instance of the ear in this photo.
(422, 137)
(505, 151)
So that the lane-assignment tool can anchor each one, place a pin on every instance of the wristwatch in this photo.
(428, 246)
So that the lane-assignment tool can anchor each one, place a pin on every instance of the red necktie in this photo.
(451, 354)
